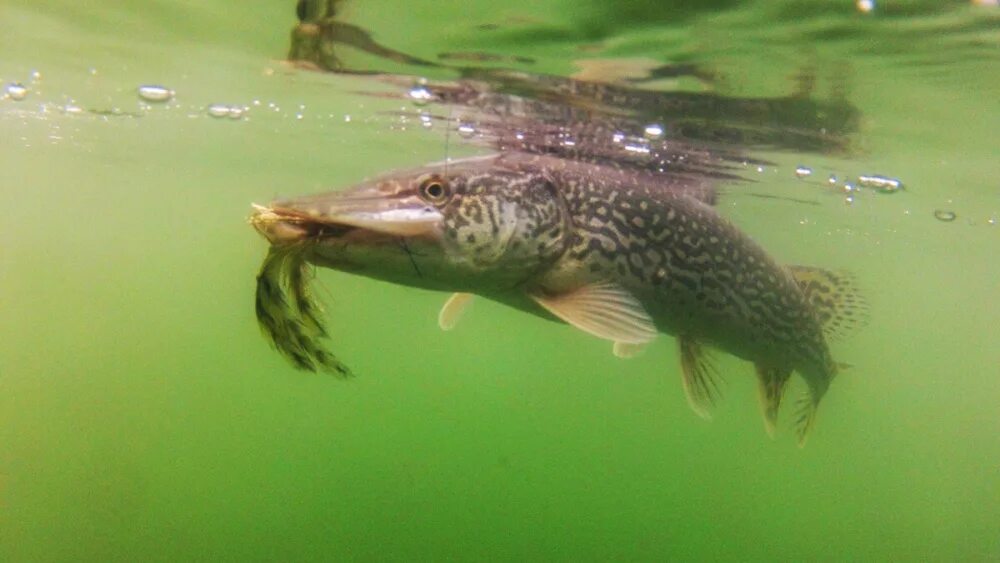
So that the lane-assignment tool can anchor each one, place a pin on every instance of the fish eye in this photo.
(435, 190)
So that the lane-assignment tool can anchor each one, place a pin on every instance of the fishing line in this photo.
(409, 254)
(447, 140)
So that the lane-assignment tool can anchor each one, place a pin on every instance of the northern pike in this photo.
(602, 249)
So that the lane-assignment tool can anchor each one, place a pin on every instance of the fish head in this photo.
(458, 227)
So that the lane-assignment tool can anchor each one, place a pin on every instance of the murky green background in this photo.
(143, 416)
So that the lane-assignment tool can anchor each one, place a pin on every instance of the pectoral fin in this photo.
(700, 385)
(770, 389)
(452, 310)
(625, 351)
(604, 310)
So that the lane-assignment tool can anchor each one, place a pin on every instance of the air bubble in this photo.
(466, 130)
(803, 171)
(420, 95)
(881, 184)
(945, 215)
(153, 93)
(218, 110)
(653, 131)
(16, 91)
(639, 146)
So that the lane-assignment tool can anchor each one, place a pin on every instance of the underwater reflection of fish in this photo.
(590, 245)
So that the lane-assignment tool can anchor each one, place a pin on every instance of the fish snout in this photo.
(376, 208)
(277, 227)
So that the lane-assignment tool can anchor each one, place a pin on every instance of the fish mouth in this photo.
(283, 227)
(359, 214)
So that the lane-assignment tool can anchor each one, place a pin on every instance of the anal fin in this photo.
(805, 417)
(770, 389)
(700, 385)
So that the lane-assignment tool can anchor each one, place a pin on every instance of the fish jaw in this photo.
(375, 230)
(277, 228)
(380, 210)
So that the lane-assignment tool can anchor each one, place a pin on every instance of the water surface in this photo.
(143, 416)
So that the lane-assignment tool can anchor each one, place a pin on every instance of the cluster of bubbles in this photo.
(420, 95)
(150, 95)
(880, 184)
(877, 182)
(147, 94)
(158, 94)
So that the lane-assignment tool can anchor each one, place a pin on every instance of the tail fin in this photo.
(835, 298)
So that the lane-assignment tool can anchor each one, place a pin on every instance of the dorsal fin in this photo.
(835, 297)
(699, 374)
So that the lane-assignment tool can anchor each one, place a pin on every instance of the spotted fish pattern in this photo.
(695, 259)
(596, 246)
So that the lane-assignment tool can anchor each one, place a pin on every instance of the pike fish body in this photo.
(621, 255)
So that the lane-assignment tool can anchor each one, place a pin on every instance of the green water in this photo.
(143, 416)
